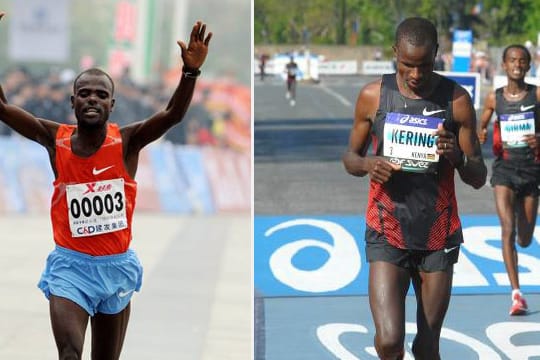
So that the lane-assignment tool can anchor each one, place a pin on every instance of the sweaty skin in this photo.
(388, 282)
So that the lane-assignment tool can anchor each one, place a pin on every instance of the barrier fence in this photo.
(171, 178)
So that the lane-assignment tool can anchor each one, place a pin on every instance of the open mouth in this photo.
(91, 111)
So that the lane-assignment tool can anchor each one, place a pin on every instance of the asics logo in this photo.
(99, 171)
(412, 120)
(446, 251)
(124, 293)
(525, 108)
(425, 112)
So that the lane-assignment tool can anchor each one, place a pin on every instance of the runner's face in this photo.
(92, 101)
(516, 63)
(414, 64)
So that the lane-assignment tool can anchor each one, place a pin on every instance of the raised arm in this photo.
(140, 134)
(472, 168)
(355, 160)
(26, 124)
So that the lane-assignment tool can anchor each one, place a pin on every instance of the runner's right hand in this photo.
(482, 135)
(380, 169)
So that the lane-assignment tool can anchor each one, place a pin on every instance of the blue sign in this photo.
(470, 82)
(461, 50)
(324, 255)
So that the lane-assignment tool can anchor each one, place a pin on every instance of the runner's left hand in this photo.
(194, 54)
(447, 145)
(531, 140)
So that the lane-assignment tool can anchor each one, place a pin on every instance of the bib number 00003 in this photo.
(96, 208)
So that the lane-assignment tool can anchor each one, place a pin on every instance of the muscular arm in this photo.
(355, 160)
(485, 117)
(140, 134)
(473, 171)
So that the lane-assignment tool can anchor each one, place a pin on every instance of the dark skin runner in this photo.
(92, 102)
(388, 283)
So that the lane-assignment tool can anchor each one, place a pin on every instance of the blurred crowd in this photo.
(219, 114)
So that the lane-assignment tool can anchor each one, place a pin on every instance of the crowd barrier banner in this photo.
(171, 178)
(346, 67)
(374, 67)
(229, 174)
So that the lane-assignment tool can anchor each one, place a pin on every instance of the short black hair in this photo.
(417, 31)
(517, 46)
(93, 71)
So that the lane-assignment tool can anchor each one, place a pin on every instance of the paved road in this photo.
(194, 303)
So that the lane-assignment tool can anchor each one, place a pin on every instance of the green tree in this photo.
(331, 22)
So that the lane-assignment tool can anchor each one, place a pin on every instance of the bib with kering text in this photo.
(409, 141)
(96, 208)
(514, 127)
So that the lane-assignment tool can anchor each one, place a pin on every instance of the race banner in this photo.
(39, 30)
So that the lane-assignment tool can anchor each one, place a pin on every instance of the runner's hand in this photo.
(194, 54)
(531, 140)
(482, 136)
(380, 169)
(447, 145)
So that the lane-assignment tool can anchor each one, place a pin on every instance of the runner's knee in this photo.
(69, 352)
(524, 241)
(389, 345)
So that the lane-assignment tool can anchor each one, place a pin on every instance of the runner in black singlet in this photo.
(423, 127)
(516, 168)
(291, 69)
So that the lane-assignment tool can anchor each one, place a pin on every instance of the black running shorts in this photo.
(421, 260)
(522, 177)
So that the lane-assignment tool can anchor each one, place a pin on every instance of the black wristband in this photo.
(190, 73)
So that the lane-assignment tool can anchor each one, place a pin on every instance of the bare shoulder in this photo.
(462, 106)
(461, 97)
(459, 92)
(127, 131)
(368, 100)
(51, 129)
(490, 98)
(371, 91)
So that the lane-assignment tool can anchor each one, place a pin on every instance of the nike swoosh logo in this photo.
(525, 108)
(425, 112)
(124, 293)
(97, 172)
(448, 250)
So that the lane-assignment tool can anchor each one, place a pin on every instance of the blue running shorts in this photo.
(99, 284)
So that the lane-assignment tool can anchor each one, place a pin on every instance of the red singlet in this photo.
(94, 197)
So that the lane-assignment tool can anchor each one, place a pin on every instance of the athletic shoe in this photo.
(287, 95)
(293, 102)
(519, 305)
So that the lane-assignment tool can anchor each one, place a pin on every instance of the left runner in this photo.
(92, 273)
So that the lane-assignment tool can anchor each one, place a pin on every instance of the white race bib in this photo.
(409, 141)
(96, 208)
(514, 127)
